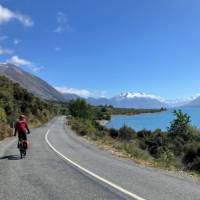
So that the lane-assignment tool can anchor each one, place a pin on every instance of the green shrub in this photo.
(143, 145)
(134, 151)
(180, 126)
(177, 145)
(144, 133)
(100, 113)
(156, 143)
(191, 158)
(2, 115)
(99, 134)
(126, 133)
(167, 157)
(80, 109)
(113, 133)
(83, 127)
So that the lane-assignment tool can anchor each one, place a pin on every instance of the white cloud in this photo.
(16, 41)
(58, 49)
(7, 15)
(4, 51)
(81, 92)
(62, 23)
(99, 93)
(22, 62)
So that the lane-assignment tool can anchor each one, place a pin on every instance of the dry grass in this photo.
(117, 148)
(5, 131)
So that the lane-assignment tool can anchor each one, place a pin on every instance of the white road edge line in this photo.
(91, 173)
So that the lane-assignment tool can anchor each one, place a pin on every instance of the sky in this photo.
(105, 47)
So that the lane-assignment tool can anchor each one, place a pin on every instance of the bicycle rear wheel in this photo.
(21, 154)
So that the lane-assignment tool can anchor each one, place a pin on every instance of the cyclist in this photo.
(21, 127)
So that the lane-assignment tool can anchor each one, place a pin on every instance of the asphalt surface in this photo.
(44, 174)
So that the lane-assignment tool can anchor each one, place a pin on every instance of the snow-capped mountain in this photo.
(138, 100)
(177, 102)
(194, 101)
(132, 95)
(131, 100)
(187, 102)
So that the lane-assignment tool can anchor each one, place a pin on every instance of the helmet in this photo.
(21, 117)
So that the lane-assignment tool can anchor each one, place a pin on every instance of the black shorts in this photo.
(22, 136)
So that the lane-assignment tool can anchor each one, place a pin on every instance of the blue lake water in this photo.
(153, 121)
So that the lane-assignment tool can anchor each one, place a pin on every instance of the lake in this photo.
(153, 121)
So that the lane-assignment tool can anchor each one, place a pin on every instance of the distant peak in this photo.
(195, 96)
(139, 95)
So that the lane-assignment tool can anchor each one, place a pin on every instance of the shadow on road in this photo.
(10, 157)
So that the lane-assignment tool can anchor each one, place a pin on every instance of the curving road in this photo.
(61, 165)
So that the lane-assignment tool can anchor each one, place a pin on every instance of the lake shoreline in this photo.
(152, 121)
(106, 122)
(102, 122)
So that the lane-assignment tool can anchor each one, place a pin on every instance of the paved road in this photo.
(46, 175)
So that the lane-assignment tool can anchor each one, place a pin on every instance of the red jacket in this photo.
(21, 127)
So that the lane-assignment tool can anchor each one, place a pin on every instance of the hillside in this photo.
(69, 96)
(15, 100)
(32, 83)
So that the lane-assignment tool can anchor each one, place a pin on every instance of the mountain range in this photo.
(131, 100)
(32, 83)
(42, 89)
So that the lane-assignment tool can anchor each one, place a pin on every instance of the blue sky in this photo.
(105, 47)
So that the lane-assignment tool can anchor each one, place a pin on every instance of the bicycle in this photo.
(23, 145)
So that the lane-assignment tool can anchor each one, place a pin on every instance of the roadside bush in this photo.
(113, 133)
(167, 158)
(134, 151)
(99, 134)
(180, 126)
(194, 134)
(83, 127)
(2, 115)
(144, 133)
(191, 159)
(143, 145)
(99, 126)
(100, 113)
(126, 133)
(156, 144)
(177, 145)
(80, 109)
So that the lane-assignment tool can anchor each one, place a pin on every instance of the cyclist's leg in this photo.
(19, 139)
(24, 136)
